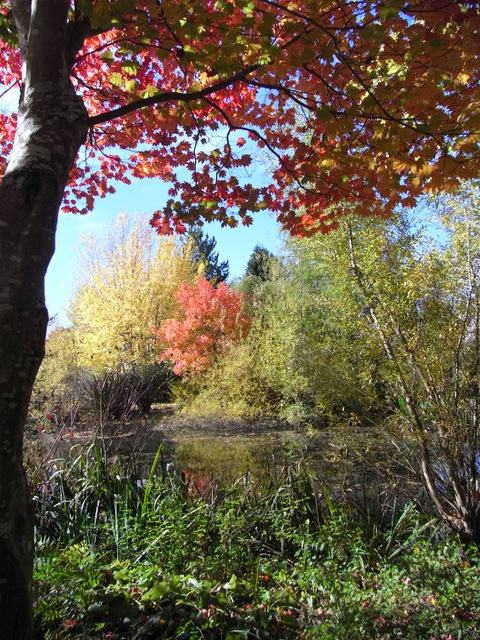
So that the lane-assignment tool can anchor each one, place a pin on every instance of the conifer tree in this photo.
(203, 251)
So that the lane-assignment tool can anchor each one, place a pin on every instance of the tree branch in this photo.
(171, 96)
(21, 10)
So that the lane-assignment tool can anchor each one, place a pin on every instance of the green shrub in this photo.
(233, 387)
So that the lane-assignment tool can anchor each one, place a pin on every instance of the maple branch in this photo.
(264, 140)
(259, 136)
(170, 30)
(175, 96)
(12, 86)
(114, 41)
(171, 96)
(351, 66)
(102, 47)
(197, 138)
(281, 89)
(314, 22)
(78, 31)
(81, 82)
(385, 115)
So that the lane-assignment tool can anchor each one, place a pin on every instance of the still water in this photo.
(351, 456)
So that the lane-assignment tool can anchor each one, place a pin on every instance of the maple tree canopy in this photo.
(365, 103)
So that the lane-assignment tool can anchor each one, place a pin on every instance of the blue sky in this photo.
(234, 245)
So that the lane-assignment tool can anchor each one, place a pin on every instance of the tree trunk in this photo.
(52, 124)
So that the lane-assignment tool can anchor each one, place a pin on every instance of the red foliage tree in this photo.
(213, 319)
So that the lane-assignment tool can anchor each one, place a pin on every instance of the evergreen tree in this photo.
(260, 263)
(203, 250)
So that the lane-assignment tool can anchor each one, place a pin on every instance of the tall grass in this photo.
(283, 557)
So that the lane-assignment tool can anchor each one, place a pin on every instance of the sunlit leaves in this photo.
(126, 286)
(367, 102)
(212, 321)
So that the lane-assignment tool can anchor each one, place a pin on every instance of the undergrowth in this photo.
(121, 557)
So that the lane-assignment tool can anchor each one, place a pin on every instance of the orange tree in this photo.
(363, 101)
(212, 321)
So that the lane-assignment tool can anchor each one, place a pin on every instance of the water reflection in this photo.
(350, 456)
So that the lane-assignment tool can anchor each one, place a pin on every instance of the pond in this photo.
(347, 456)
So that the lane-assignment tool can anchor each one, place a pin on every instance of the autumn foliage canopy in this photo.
(212, 321)
(366, 103)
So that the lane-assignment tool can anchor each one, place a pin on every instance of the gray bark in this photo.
(52, 124)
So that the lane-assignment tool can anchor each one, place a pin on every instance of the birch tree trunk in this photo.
(52, 124)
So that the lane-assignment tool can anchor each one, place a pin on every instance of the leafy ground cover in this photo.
(120, 557)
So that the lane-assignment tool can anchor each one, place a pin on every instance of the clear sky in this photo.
(234, 245)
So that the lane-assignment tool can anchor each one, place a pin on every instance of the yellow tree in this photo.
(126, 286)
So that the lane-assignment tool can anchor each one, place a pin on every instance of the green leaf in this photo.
(116, 79)
(157, 592)
(131, 67)
(107, 56)
(131, 85)
(324, 113)
(402, 404)
(121, 576)
(231, 585)
(388, 11)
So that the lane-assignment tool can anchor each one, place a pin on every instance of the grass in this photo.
(168, 557)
